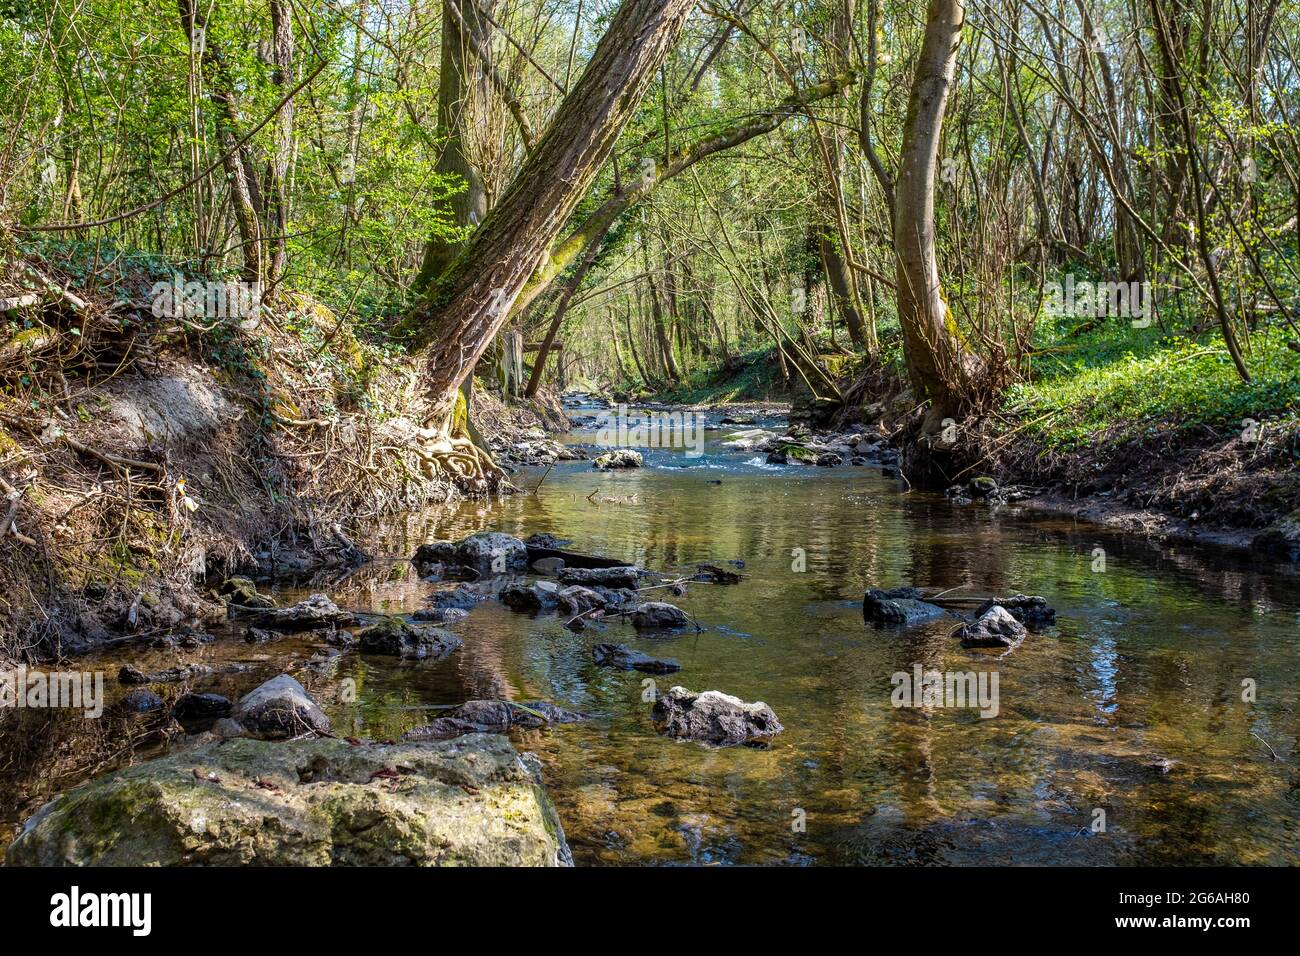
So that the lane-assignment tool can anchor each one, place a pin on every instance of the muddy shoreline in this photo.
(1139, 522)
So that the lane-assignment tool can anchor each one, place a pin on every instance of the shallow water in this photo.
(1131, 705)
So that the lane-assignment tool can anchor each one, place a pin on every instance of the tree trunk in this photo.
(282, 49)
(245, 199)
(566, 251)
(459, 315)
(843, 288)
(937, 365)
(561, 309)
(636, 356)
(462, 79)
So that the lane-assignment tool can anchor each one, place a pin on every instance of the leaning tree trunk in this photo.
(939, 369)
(561, 310)
(460, 313)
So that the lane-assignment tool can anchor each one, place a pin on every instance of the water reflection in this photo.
(1131, 704)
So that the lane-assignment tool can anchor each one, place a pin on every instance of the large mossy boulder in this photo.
(320, 802)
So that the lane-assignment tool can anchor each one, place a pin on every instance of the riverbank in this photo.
(147, 454)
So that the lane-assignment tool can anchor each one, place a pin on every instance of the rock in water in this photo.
(493, 716)
(792, 454)
(195, 711)
(1030, 610)
(490, 552)
(140, 701)
(751, 439)
(544, 539)
(624, 658)
(320, 802)
(898, 606)
(480, 555)
(575, 599)
(714, 717)
(317, 611)
(995, 628)
(715, 575)
(130, 674)
(620, 577)
(462, 598)
(242, 593)
(658, 615)
(549, 566)
(539, 596)
(394, 637)
(280, 708)
(622, 458)
(440, 615)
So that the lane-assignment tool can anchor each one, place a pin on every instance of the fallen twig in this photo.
(113, 459)
(1268, 745)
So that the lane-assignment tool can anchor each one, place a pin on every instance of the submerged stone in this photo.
(493, 716)
(140, 701)
(130, 674)
(624, 658)
(193, 711)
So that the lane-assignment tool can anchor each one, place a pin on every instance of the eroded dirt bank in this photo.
(144, 459)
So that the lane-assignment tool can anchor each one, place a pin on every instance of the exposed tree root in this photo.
(458, 459)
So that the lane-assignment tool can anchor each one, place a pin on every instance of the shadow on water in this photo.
(1132, 705)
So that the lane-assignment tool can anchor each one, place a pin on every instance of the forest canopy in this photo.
(977, 196)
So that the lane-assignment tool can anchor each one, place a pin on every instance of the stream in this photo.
(1132, 704)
